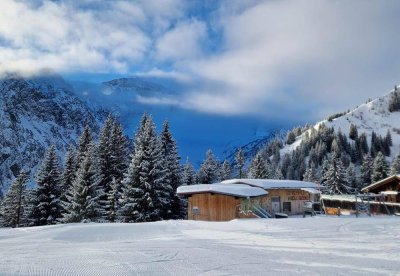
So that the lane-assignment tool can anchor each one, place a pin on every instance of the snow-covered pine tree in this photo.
(118, 167)
(104, 173)
(113, 197)
(68, 174)
(278, 173)
(353, 133)
(83, 199)
(394, 102)
(209, 169)
(395, 168)
(311, 174)
(366, 170)
(12, 207)
(336, 181)
(47, 205)
(173, 172)
(239, 162)
(380, 168)
(258, 169)
(352, 178)
(225, 170)
(84, 143)
(189, 175)
(144, 185)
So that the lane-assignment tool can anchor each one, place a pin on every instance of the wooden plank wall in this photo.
(213, 207)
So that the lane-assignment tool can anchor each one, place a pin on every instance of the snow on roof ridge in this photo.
(271, 183)
(226, 189)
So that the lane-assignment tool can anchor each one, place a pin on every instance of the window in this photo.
(287, 206)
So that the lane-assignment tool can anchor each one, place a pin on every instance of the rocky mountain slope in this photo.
(36, 112)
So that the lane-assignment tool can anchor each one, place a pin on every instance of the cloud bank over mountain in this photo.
(276, 59)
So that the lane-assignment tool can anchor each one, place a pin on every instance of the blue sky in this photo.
(277, 61)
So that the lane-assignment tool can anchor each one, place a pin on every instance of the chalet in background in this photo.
(246, 198)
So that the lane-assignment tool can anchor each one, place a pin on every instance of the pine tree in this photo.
(291, 137)
(239, 161)
(209, 169)
(84, 143)
(12, 207)
(144, 185)
(366, 170)
(258, 169)
(225, 170)
(311, 174)
(394, 102)
(112, 201)
(105, 166)
(278, 173)
(380, 168)
(173, 172)
(47, 206)
(83, 199)
(68, 174)
(336, 181)
(189, 175)
(352, 179)
(353, 133)
(395, 168)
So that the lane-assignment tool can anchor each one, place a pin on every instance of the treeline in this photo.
(102, 181)
(328, 157)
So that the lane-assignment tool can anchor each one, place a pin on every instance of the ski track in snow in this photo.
(295, 246)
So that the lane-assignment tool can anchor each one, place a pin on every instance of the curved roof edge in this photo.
(272, 183)
(237, 190)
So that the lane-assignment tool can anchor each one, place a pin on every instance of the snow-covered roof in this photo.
(272, 183)
(380, 183)
(234, 190)
(311, 190)
(343, 197)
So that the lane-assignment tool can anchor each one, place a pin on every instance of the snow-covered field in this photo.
(316, 246)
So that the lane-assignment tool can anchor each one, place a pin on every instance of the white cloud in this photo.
(278, 57)
(184, 41)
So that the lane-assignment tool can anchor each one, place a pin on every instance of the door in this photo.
(276, 204)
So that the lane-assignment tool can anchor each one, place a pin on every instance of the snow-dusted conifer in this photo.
(209, 169)
(47, 205)
(69, 173)
(352, 178)
(366, 170)
(189, 175)
(144, 185)
(225, 170)
(258, 170)
(113, 197)
(380, 168)
(395, 168)
(84, 143)
(239, 162)
(83, 198)
(12, 207)
(336, 181)
(311, 174)
(173, 172)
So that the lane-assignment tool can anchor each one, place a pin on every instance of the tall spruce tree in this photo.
(258, 170)
(47, 206)
(85, 140)
(12, 207)
(82, 204)
(239, 162)
(311, 174)
(395, 168)
(189, 175)
(173, 172)
(366, 170)
(145, 191)
(380, 168)
(225, 170)
(336, 181)
(68, 174)
(209, 169)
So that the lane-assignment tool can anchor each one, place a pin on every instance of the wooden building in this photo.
(284, 196)
(389, 187)
(221, 202)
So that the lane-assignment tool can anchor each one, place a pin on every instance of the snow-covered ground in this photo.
(316, 246)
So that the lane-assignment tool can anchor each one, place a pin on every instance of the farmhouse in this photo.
(241, 198)
(221, 202)
(284, 196)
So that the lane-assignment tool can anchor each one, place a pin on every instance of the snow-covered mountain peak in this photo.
(372, 116)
